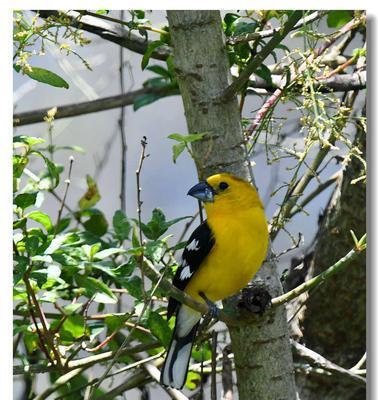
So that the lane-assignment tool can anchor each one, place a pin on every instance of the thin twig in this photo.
(214, 342)
(360, 363)
(83, 362)
(121, 123)
(143, 155)
(324, 276)
(227, 374)
(67, 182)
(120, 371)
(122, 22)
(324, 185)
(317, 52)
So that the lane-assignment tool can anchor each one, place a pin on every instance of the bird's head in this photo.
(225, 191)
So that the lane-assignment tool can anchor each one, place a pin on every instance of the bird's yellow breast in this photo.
(241, 241)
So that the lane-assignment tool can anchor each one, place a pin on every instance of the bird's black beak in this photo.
(202, 191)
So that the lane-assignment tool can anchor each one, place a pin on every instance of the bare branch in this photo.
(88, 107)
(316, 359)
(110, 32)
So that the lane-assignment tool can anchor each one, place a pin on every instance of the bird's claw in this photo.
(214, 311)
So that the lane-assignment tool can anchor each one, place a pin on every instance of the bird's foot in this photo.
(213, 309)
(255, 300)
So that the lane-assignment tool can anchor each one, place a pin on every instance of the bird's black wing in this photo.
(197, 248)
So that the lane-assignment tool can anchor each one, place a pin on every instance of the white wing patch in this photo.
(193, 245)
(186, 273)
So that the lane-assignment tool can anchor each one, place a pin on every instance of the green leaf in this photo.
(97, 288)
(159, 328)
(25, 200)
(108, 252)
(21, 263)
(96, 224)
(158, 225)
(192, 380)
(63, 224)
(150, 49)
(41, 218)
(116, 322)
(31, 245)
(53, 169)
(242, 27)
(191, 137)
(91, 250)
(177, 149)
(31, 341)
(71, 148)
(45, 76)
(145, 99)
(19, 163)
(121, 225)
(126, 269)
(73, 328)
(264, 72)
(91, 196)
(134, 286)
(72, 308)
(229, 20)
(55, 244)
(160, 71)
(158, 82)
(155, 250)
(338, 18)
(28, 140)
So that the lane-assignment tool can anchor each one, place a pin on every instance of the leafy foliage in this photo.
(77, 263)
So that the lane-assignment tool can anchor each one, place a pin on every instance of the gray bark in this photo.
(333, 320)
(262, 350)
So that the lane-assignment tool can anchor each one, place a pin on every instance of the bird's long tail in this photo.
(176, 364)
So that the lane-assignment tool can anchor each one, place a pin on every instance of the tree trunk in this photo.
(262, 350)
(333, 321)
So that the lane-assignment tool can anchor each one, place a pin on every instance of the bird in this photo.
(220, 257)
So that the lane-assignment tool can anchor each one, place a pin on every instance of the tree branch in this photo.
(319, 279)
(110, 32)
(87, 107)
(338, 83)
(316, 359)
(258, 59)
(248, 37)
(83, 362)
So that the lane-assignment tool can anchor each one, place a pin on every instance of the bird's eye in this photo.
(223, 186)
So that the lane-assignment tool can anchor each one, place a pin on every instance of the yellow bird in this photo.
(221, 256)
